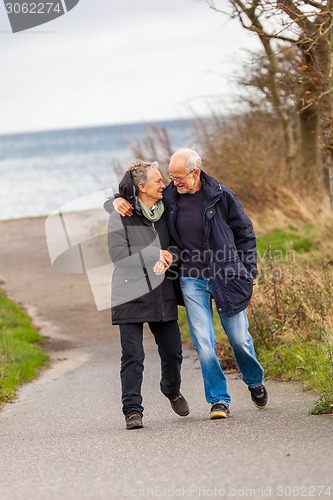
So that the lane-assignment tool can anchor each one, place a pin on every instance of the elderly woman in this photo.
(143, 291)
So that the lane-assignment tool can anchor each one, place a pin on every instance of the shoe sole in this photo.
(260, 407)
(131, 427)
(218, 414)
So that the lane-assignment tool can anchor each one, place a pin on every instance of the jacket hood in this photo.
(126, 190)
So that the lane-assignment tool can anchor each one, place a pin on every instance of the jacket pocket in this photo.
(236, 283)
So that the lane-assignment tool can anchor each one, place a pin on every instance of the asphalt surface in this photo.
(64, 437)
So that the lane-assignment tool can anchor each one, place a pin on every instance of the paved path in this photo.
(64, 437)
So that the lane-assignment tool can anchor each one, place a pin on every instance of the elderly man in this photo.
(218, 260)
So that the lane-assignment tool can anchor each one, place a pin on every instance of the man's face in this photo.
(154, 185)
(177, 170)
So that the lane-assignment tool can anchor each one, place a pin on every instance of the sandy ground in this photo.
(64, 436)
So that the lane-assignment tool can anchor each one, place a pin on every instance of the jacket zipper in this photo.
(162, 301)
(206, 246)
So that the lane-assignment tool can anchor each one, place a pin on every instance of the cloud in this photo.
(117, 61)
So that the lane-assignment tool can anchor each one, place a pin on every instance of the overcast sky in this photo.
(117, 61)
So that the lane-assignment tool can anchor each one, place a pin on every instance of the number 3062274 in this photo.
(33, 8)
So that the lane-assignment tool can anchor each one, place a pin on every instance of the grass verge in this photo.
(20, 353)
(291, 313)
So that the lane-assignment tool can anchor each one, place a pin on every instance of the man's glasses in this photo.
(179, 179)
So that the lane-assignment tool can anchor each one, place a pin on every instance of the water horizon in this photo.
(42, 170)
(143, 123)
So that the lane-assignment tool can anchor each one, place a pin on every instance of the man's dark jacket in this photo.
(229, 242)
(138, 295)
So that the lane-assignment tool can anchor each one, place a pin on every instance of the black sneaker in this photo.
(179, 405)
(134, 421)
(219, 410)
(259, 396)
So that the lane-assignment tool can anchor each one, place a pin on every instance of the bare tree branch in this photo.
(313, 3)
(296, 15)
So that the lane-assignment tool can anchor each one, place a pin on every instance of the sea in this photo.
(43, 171)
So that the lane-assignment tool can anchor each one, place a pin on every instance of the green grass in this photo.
(305, 362)
(20, 355)
(290, 239)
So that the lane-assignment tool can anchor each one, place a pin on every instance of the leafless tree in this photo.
(307, 26)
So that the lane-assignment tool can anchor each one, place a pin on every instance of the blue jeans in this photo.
(198, 295)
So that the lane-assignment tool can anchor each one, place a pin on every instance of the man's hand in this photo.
(164, 263)
(122, 207)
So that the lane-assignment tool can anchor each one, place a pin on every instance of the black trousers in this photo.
(167, 338)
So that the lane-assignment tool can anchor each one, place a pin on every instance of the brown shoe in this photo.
(179, 405)
(134, 421)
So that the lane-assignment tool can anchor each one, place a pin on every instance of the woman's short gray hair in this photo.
(141, 170)
(191, 157)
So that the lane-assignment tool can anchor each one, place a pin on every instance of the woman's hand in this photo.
(166, 258)
(163, 263)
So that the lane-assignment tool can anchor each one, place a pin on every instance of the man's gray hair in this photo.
(191, 157)
(141, 170)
